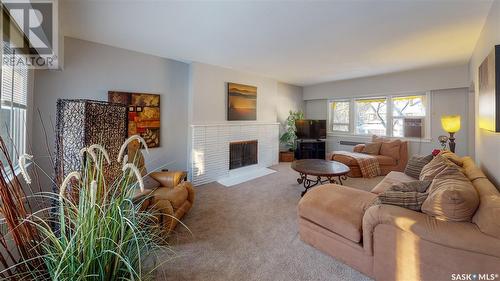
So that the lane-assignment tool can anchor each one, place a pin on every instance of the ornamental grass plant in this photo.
(91, 230)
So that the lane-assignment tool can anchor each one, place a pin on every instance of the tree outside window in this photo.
(409, 107)
(339, 118)
(371, 116)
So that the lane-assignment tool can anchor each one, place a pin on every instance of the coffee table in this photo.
(331, 171)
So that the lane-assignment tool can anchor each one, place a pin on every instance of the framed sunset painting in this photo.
(241, 102)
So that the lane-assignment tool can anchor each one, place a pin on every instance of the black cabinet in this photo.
(310, 149)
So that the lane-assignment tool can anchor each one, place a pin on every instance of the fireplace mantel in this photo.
(209, 159)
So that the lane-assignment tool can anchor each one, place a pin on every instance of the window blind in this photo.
(14, 83)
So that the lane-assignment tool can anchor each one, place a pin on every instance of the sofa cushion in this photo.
(391, 179)
(415, 165)
(372, 148)
(176, 196)
(168, 179)
(337, 208)
(389, 147)
(347, 160)
(452, 197)
(471, 170)
(433, 168)
(488, 212)
(386, 160)
(350, 161)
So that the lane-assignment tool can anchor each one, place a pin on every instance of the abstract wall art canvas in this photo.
(489, 91)
(143, 114)
(241, 102)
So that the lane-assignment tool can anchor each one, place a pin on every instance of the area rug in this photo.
(249, 232)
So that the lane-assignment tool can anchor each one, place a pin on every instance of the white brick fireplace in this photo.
(210, 148)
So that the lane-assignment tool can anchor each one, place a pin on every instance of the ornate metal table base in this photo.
(308, 183)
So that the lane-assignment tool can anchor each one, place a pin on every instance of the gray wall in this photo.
(448, 77)
(435, 79)
(209, 92)
(443, 102)
(208, 95)
(91, 69)
(487, 143)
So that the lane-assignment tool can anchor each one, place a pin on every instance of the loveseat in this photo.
(393, 156)
(388, 242)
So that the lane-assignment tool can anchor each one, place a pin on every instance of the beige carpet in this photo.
(249, 232)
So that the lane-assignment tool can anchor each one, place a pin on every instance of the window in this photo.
(394, 116)
(339, 117)
(408, 116)
(13, 105)
(371, 116)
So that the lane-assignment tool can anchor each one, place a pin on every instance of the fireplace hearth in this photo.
(243, 153)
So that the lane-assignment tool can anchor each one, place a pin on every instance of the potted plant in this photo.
(288, 138)
(91, 231)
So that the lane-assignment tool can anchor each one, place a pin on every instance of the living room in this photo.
(250, 140)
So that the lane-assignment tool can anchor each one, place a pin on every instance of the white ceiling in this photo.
(300, 42)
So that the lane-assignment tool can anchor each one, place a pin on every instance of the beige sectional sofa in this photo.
(388, 242)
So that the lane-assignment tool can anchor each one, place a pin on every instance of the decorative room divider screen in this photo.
(81, 123)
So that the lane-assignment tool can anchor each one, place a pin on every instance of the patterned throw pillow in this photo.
(452, 197)
(411, 186)
(389, 147)
(409, 195)
(415, 165)
(433, 168)
(372, 148)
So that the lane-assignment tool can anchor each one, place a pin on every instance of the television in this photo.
(310, 129)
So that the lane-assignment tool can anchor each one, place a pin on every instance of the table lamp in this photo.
(451, 124)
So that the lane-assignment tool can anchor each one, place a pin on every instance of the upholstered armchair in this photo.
(172, 199)
(169, 194)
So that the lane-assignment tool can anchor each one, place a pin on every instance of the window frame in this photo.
(17, 106)
(427, 117)
(355, 120)
(18, 124)
(389, 115)
(330, 116)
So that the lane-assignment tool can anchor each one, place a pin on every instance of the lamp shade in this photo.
(450, 123)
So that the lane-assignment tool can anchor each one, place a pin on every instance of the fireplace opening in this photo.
(242, 153)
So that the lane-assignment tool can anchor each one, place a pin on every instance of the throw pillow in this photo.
(415, 165)
(411, 186)
(372, 148)
(409, 200)
(391, 149)
(376, 138)
(452, 171)
(433, 168)
(451, 199)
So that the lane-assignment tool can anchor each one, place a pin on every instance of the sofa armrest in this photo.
(358, 148)
(169, 179)
(459, 235)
